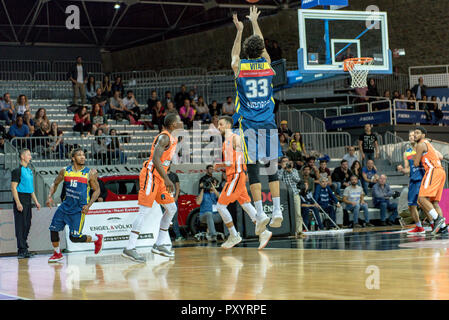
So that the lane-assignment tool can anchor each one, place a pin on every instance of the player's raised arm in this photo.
(253, 16)
(161, 145)
(235, 54)
(54, 187)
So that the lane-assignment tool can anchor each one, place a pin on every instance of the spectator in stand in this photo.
(353, 198)
(181, 96)
(131, 103)
(285, 146)
(284, 129)
(401, 104)
(19, 129)
(151, 102)
(82, 121)
(314, 173)
(214, 110)
(290, 176)
(372, 89)
(118, 86)
(78, 76)
(324, 171)
(326, 199)
(90, 89)
(187, 114)
(368, 146)
(356, 170)
(101, 100)
(7, 109)
(118, 108)
(383, 105)
(228, 107)
(203, 110)
(350, 156)
(369, 176)
(98, 119)
(341, 177)
(396, 95)
(295, 156)
(56, 143)
(40, 118)
(158, 115)
(99, 148)
(276, 52)
(212, 133)
(411, 98)
(114, 149)
(382, 194)
(28, 121)
(171, 108)
(106, 87)
(420, 90)
(309, 182)
(22, 105)
(168, 98)
(40, 145)
(193, 96)
(297, 138)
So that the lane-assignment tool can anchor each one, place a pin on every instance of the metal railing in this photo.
(394, 148)
(15, 76)
(333, 144)
(65, 66)
(30, 66)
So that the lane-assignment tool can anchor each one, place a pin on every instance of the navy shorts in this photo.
(260, 140)
(413, 192)
(75, 221)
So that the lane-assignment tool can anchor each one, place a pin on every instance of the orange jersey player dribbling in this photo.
(432, 185)
(235, 187)
(156, 186)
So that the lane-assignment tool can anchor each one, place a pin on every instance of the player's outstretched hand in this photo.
(253, 14)
(238, 24)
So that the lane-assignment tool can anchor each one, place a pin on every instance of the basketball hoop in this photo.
(358, 69)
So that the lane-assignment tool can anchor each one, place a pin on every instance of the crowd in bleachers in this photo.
(348, 185)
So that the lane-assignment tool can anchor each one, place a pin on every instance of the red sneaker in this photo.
(98, 243)
(55, 257)
(417, 230)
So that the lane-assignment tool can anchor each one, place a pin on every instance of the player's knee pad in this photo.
(253, 173)
(82, 238)
(54, 236)
(224, 213)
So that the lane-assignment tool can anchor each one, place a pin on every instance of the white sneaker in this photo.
(232, 241)
(264, 237)
(276, 219)
(261, 224)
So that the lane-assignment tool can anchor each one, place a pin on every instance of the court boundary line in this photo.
(13, 296)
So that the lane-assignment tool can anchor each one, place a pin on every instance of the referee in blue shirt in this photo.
(22, 188)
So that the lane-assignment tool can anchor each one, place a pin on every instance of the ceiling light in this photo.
(117, 5)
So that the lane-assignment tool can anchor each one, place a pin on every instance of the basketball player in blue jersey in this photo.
(78, 180)
(254, 113)
(416, 177)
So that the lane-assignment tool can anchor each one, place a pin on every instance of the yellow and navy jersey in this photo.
(416, 173)
(77, 188)
(254, 100)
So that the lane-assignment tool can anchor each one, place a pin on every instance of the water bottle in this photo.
(312, 225)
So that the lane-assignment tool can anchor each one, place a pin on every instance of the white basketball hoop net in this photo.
(358, 69)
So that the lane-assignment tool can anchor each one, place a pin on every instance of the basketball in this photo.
(252, 1)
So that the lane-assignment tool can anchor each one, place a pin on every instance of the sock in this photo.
(418, 224)
(259, 208)
(94, 238)
(276, 204)
(57, 250)
(233, 231)
(433, 213)
(250, 210)
(163, 234)
(132, 241)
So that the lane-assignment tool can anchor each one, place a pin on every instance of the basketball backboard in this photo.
(327, 37)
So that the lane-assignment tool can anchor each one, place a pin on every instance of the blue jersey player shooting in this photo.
(78, 181)
(254, 106)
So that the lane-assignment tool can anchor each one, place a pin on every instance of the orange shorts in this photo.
(432, 184)
(235, 190)
(152, 188)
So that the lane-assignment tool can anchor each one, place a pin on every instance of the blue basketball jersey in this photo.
(416, 173)
(254, 100)
(77, 190)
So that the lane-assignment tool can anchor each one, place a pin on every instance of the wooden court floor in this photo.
(360, 265)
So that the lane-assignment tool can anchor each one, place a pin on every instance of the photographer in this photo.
(209, 176)
(291, 178)
(381, 199)
(207, 200)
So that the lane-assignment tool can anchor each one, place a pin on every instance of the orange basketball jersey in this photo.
(233, 157)
(430, 159)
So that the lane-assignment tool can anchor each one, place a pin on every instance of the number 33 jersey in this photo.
(254, 87)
